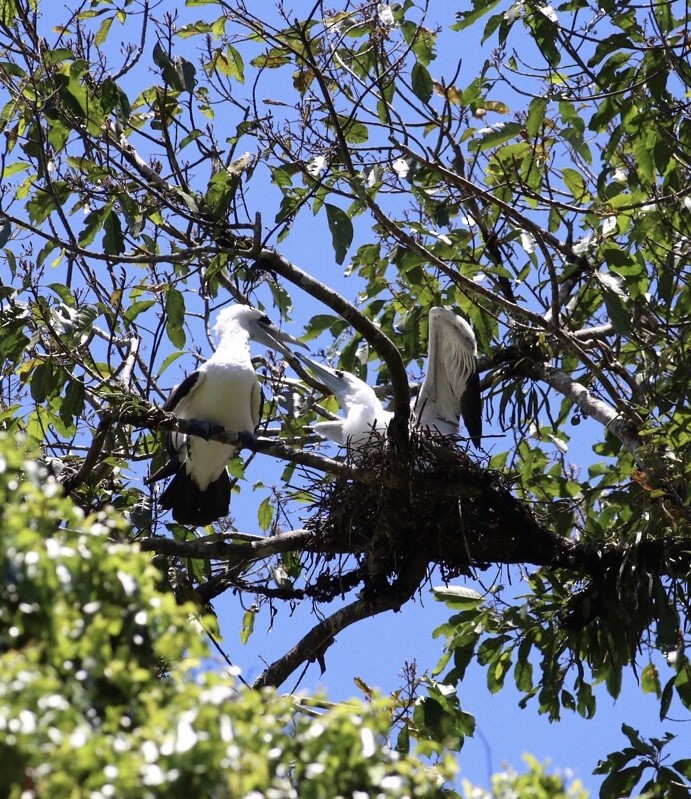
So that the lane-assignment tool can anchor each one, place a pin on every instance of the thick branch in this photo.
(217, 548)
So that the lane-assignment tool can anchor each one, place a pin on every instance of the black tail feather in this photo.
(191, 505)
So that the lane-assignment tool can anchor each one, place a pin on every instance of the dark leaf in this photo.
(422, 82)
(341, 230)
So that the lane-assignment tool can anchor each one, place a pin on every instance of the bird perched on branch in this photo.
(451, 389)
(225, 392)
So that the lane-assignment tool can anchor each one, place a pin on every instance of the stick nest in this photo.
(436, 506)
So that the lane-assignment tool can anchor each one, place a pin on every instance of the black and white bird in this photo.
(451, 389)
(223, 391)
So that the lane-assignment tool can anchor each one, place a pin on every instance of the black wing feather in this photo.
(471, 408)
(181, 391)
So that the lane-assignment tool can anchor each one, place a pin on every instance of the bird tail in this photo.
(192, 505)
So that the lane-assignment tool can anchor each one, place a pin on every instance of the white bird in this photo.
(364, 411)
(451, 388)
(223, 391)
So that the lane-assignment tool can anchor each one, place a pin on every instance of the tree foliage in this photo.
(102, 693)
(539, 184)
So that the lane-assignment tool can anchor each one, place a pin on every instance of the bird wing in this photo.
(183, 390)
(471, 408)
(179, 397)
(257, 401)
(451, 387)
(332, 430)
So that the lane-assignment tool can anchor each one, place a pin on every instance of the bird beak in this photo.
(329, 377)
(265, 332)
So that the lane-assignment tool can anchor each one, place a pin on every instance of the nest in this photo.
(436, 506)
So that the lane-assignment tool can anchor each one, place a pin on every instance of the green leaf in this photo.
(682, 683)
(113, 240)
(136, 308)
(248, 624)
(536, 116)
(503, 133)
(104, 30)
(160, 57)
(220, 193)
(233, 65)
(272, 59)
(642, 747)
(42, 381)
(421, 82)
(403, 740)
(73, 402)
(341, 230)
(188, 71)
(175, 313)
(92, 224)
(621, 783)
(619, 314)
(683, 767)
(666, 698)
(265, 513)
(14, 168)
(114, 99)
(650, 680)
(178, 73)
(479, 10)
(45, 201)
(168, 360)
(575, 183)
(458, 595)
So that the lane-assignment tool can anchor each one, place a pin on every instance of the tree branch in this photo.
(154, 418)
(591, 406)
(215, 547)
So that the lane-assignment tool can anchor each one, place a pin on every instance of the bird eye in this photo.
(265, 320)
(339, 373)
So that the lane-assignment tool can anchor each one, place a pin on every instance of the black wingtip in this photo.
(471, 409)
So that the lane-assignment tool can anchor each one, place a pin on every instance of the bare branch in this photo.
(590, 405)
(313, 645)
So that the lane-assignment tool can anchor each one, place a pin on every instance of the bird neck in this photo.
(233, 346)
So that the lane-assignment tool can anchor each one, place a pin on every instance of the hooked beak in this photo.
(265, 332)
(331, 378)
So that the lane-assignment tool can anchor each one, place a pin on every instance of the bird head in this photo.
(257, 325)
(348, 388)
